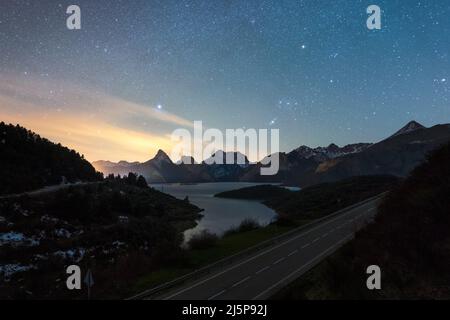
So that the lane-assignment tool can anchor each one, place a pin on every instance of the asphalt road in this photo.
(45, 190)
(260, 275)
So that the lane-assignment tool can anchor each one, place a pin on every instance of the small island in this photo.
(316, 201)
(261, 192)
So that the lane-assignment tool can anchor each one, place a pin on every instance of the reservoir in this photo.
(219, 214)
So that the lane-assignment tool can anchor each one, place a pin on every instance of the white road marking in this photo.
(261, 253)
(315, 240)
(217, 294)
(279, 260)
(263, 269)
(292, 253)
(302, 267)
(239, 282)
(306, 245)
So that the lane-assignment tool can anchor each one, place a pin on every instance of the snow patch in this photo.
(8, 270)
(63, 233)
(71, 254)
(16, 239)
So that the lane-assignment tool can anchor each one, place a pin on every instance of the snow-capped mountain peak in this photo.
(330, 152)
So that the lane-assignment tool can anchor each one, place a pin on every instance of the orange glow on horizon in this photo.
(90, 123)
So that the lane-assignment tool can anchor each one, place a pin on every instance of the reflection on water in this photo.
(220, 214)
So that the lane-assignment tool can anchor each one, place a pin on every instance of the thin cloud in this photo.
(95, 124)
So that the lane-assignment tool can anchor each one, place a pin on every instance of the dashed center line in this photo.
(239, 282)
(279, 260)
(217, 294)
(292, 253)
(262, 270)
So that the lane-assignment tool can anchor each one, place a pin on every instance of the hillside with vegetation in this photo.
(320, 200)
(120, 229)
(261, 192)
(29, 162)
(316, 201)
(409, 240)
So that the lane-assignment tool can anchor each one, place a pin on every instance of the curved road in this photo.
(48, 189)
(260, 275)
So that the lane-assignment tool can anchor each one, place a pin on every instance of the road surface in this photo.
(48, 189)
(260, 275)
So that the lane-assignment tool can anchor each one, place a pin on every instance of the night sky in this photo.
(139, 69)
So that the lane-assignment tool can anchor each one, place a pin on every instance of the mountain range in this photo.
(396, 155)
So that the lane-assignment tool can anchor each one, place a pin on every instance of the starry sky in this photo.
(138, 69)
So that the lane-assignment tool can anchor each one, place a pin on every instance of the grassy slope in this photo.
(409, 240)
(195, 259)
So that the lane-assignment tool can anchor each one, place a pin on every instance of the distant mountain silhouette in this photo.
(330, 152)
(30, 162)
(410, 127)
(397, 155)
(302, 161)
(161, 168)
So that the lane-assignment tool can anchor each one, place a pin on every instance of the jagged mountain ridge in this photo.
(410, 127)
(162, 169)
(396, 155)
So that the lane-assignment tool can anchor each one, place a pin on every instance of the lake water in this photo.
(219, 214)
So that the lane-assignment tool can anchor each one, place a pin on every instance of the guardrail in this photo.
(244, 253)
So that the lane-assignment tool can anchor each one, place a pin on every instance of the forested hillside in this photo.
(29, 162)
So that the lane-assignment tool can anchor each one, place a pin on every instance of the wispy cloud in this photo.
(98, 125)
